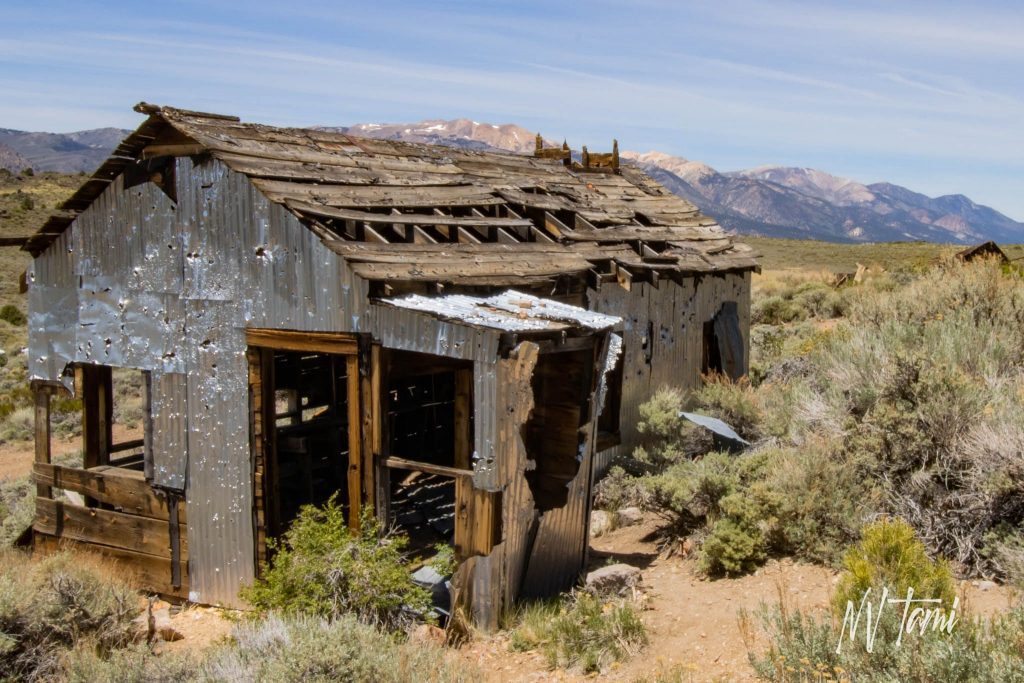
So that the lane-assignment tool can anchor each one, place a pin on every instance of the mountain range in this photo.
(772, 201)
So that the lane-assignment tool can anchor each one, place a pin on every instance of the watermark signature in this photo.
(919, 615)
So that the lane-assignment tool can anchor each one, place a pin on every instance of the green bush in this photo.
(13, 315)
(48, 606)
(890, 556)
(582, 631)
(323, 569)
(17, 508)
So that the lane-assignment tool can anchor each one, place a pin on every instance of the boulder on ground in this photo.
(629, 516)
(600, 522)
(613, 578)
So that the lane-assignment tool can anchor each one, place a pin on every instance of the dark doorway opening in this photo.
(310, 432)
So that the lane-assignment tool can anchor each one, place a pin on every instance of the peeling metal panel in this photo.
(414, 330)
(509, 311)
(168, 411)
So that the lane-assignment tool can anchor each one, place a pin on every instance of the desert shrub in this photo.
(619, 489)
(12, 314)
(17, 508)
(49, 605)
(323, 569)
(890, 556)
(136, 663)
(732, 547)
(803, 648)
(299, 649)
(582, 631)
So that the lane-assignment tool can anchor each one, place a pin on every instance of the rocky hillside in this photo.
(63, 152)
(771, 201)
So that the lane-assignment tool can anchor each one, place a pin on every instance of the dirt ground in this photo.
(16, 458)
(693, 623)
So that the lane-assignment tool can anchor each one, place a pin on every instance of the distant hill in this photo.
(771, 201)
(63, 152)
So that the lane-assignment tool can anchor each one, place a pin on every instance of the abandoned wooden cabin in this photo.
(455, 338)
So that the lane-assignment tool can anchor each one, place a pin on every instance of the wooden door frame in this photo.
(262, 343)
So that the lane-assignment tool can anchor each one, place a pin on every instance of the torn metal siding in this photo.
(663, 337)
(140, 282)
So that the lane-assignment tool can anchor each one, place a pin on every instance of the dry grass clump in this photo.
(53, 604)
(582, 631)
(279, 649)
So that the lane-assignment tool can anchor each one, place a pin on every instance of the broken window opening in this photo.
(116, 419)
(429, 414)
(562, 384)
(724, 352)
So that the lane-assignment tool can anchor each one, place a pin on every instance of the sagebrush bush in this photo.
(49, 605)
(323, 569)
(13, 315)
(581, 631)
(276, 649)
(912, 406)
(17, 508)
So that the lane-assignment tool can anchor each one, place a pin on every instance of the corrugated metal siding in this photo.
(139, 282)
(673, 315)
(169, 413)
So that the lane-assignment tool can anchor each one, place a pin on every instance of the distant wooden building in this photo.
(459, 339)
(984, 250)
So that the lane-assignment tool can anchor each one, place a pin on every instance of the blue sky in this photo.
(927, 95)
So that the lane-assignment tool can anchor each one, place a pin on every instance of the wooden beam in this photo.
(463, 417)
(106, 527)
(124, 489)
(97, 412)
(314, 342)
(477, 519)
(42, 435)
(175, 150)
(426, 467)
(354, 436)
(147, 571)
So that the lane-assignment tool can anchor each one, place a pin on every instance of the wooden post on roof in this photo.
(615, 155)
(42, 420)
(585, 157)
(540, 145)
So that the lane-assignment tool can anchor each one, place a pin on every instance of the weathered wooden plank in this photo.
(42, 435)
(376, 195)
(147, 572)
(106, 527)
(463, 418)
(397, 463)
(291, 340)
(355, 443)
(124, 489)
(477, 519)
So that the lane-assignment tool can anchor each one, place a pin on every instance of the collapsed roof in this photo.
(399, 211)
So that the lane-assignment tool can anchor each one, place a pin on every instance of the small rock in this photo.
(686, 546)
(629, 516)
(600, 523)
(162, 626)
(425, 633)
(615, 578)
(987, 585)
